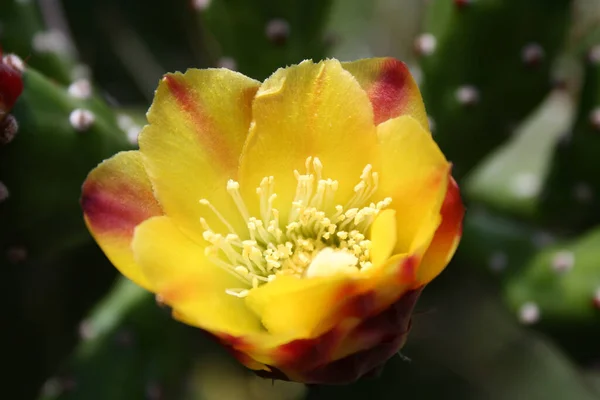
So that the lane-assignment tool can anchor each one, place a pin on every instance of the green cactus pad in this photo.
(563, 284)
(43, 168)
(511, 178)
(571, 190)
(129, 349)
(491, 66)
(259, 39)
(23, 32)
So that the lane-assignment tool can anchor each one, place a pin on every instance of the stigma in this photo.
(319, 237)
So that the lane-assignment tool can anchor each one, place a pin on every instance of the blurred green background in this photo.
(512, 88)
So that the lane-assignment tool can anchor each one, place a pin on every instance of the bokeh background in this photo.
(512, 88)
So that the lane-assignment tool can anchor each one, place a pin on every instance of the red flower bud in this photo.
(11, 86)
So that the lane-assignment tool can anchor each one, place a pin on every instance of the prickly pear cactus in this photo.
(498, 246)
(570, 195)
(11, 87)
(523, 145)
(129, 343)
(540, 218)
(486, 64)
(62, 133)
(511, 179)
(47, 50)
(285, 32)
(51, 138)
(560, 289)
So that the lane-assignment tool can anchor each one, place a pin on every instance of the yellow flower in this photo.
(296, 220)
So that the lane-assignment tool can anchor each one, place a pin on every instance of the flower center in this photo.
(319, 238)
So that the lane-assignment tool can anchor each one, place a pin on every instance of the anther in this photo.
(307, 164)
(241, 293)
(233, 189)
(207, 203)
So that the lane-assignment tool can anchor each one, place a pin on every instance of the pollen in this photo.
(320, 237)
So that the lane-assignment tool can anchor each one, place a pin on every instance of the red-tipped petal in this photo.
(380, 337)
(447, 236)
(198, 123)
(391, 88)
(116, 197)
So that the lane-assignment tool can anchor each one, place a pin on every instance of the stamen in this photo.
(318, 168)
(241, 293)
(233, 188)
(331, 188)
(320, 236)
(242, 270)
(225, 266)
(205, 202)
(365, 188)
(307, 165)
(266, 196)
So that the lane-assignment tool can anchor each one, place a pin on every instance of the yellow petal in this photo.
(185, 280)
(316, 110)
(447, 236)
(198, 123)
(116, 197)
(295, 307)
(319, 312)
(383, 236)
(391, 88)
(415, 174)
